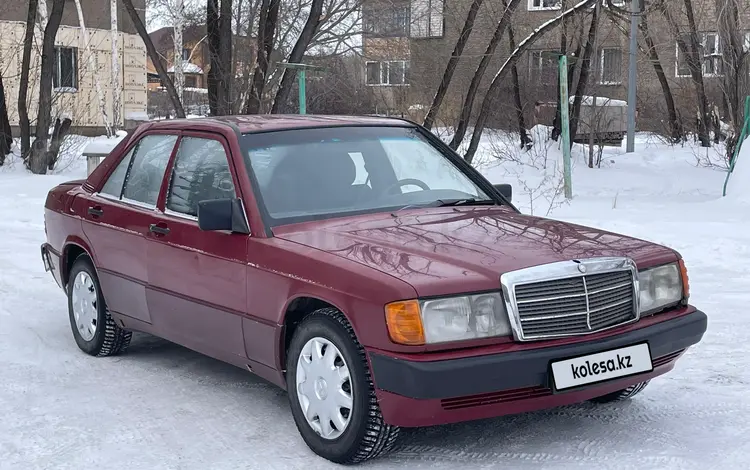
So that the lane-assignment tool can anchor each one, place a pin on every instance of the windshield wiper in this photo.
(466, 202)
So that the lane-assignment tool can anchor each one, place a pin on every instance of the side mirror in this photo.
(506, 190)
(222, 214)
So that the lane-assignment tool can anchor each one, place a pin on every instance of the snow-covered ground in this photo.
(164, 407)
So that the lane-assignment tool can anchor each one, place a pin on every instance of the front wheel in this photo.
(331, 392)
(623, 394)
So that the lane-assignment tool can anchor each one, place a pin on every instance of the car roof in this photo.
(276, 122)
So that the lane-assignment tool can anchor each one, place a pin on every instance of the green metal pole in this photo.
(564, 106)
(302, 91)
(738, 145)
(746, 117)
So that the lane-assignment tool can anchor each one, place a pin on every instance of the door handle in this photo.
(158, 229)
(96, 211)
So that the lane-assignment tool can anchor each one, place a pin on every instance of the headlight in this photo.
(660, 287)
(447, 319)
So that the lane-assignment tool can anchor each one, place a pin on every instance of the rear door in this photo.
(116, 223)
(197, 279)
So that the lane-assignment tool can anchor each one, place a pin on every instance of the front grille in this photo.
(575, 305)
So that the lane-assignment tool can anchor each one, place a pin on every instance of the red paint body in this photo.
(226, 295)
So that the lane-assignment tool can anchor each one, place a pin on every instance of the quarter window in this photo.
(146, 173)
(201, 173)
(113, 186)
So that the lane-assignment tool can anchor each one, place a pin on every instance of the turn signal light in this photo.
(404, 323)
(685, 280)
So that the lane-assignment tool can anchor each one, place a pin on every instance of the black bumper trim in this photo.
(484, 374)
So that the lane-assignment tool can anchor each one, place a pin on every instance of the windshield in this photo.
(307, 174)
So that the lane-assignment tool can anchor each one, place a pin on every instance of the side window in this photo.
(201, 173)
(114, 183)
(143, 181)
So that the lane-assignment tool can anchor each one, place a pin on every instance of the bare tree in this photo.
(23, 112)
(523, 135)
(115, 82)
(489, 97)
(735, 70)
(154, 55)
(620, 18)
(589, 52)
(38, 162)
(471, 93)
(450, 68)
(219, 38)
(6, 136)
(298, 51)
(93, 67)
(269, 17)
(691, 51)
(178, 14)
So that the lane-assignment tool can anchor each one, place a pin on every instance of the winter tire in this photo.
(623, 394)
(331, 392)
(94, 330)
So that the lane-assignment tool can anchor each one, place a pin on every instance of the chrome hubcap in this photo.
(324, 388)
(85, 304)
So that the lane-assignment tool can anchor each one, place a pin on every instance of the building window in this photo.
(387, 73)
(191, 81)
(611, 66)
(185, 54)
(65, 69)
(544, 4)
(543, 67)
(710, 51)
(386, 22)
(427, 18)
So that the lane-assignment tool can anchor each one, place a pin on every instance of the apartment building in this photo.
(407, 43)
(74, 88)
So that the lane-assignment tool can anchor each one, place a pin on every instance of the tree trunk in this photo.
(58, 135)
(177, 63)
(298, 51)
(23, 90)
(523, 135)
(6, 136)
(735, 79)
(450, 68)
(37, 162)
(583, 79)
(225, 58)
(155, 58)
(696, 71)
(471, 94)
(115, 83)
(538, 33)
(93, 69)
(675, 126)
(557, 120)
(269, 16)
(213, 38)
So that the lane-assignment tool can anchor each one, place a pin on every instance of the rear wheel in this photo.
(331, 393)
(94, 330)
(623, 394)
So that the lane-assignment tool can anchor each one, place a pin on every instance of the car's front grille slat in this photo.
(575, 305)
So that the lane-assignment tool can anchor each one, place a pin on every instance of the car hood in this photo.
(451, 250)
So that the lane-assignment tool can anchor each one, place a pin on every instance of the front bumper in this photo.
(413, 393)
